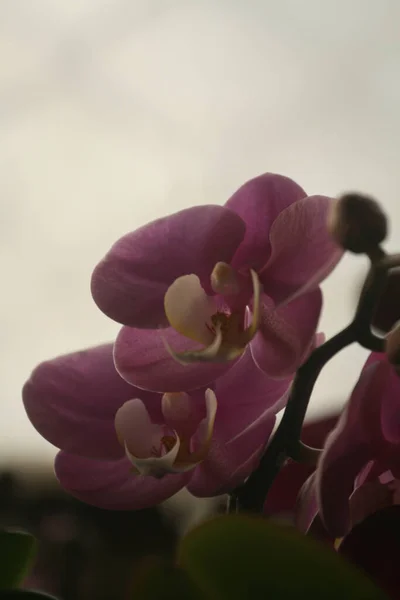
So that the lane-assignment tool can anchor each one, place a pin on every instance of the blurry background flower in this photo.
(84, 552)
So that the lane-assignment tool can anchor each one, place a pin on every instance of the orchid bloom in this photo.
(195, 289)
(126, 448)
(155, 449)
(358, 472)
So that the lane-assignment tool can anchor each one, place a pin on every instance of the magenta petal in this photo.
(142, 359)
(183, 412)
(129, 284)
(286, 334)
(247, 404)
(258, 202)
(390, 408)
(369, 498)
(303, 252)
(244, 393)
(351, 445)
(306, 506)
(112, 485)
(72, 400)
(228, 465)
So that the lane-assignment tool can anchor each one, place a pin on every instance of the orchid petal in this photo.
(72, 399)
(183, 412)
(111, 484)
(135, 429)
(228, 464)
(176, 408)
(203, 435)
(251, 331)
(130, 283)
(189, 309)
(286, 334)
(390, 407)
(142, 359)
(244, 393)
(258, 202)
(349, 448)
(303, 252)
(306, 508)
(210, 353)
(369, 498)
(247, 403)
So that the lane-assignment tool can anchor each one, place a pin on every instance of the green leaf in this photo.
(161, 580)
(239, 557)
(17, 550)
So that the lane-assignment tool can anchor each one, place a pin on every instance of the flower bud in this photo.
(392, 347)
(357, 223)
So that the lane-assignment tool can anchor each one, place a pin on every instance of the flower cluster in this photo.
(219, 306)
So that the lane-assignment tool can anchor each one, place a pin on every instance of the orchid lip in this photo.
(172, 453)
(229, 341)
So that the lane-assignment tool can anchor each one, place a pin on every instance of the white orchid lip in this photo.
(189, 309)
(222, 334)
(156, 466)
(173, 451)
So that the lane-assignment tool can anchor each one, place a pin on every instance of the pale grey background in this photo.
(113, 113)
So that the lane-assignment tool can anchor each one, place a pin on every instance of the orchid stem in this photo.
(286, 442)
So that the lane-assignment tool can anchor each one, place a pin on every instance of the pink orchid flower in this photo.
(194, 289)
(125, 448)
(358, 472)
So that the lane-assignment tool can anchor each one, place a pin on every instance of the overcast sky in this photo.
(114, 113)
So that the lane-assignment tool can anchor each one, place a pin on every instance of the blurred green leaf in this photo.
(239, 557)
(161, 580)
(17, 550)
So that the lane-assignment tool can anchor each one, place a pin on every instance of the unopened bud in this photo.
(357, 223)
(392, 347)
